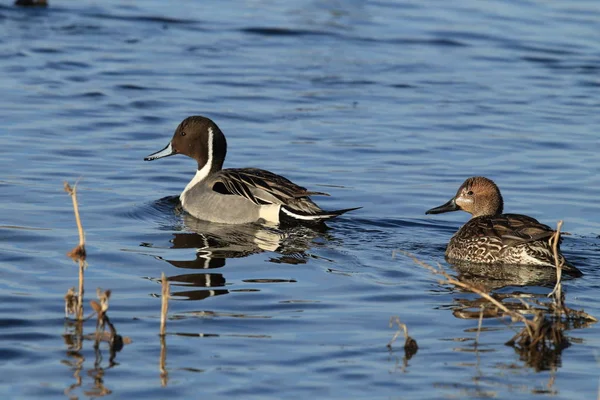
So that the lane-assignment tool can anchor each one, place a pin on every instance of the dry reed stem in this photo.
(559, 304)
(73, 193)
(481, 309)
(554, 240)
(78, 253)
(164, 304)
(561, 307)
(401, 327)
(450, 280)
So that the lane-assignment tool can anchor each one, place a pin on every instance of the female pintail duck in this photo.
(491, 237)
(240, 195)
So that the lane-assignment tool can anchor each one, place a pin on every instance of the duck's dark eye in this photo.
(470, 193)
(182, 133)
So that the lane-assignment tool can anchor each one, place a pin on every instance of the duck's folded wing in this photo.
(516, 229)
(260, 186)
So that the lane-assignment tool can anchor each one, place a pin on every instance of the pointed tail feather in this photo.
(311, 193)
(287, 213)
(570, 269)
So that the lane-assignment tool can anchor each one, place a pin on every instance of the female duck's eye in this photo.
(470, 193)
(182, 133)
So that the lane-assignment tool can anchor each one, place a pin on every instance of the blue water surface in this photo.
(385, 105)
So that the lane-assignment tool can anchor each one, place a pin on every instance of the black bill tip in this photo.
(447, 207)
(166, 152)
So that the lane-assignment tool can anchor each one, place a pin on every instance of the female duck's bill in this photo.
(491, 237)
(449, 206)
(237, 195)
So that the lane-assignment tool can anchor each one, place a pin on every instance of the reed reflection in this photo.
(519, 290)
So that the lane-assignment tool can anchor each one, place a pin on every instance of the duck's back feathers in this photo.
(506, 239)
(262, 187)
(516, 228)
(259, 186)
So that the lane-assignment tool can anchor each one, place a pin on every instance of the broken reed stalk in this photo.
(78, 253)
(410, 344)
(101, 308)
(164, 304)
(401, 327)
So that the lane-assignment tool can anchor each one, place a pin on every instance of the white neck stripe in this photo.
(203, 172)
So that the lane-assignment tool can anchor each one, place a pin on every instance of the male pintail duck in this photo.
(240, 195)
(491, 237)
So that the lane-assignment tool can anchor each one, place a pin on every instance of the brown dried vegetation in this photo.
(542, 337)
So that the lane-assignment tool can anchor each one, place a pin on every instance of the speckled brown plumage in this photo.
(491, 237)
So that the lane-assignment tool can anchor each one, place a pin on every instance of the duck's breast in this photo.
(204, 203)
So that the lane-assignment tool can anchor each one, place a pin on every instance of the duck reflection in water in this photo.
(489, 277)
(508, 286)
(215, 243)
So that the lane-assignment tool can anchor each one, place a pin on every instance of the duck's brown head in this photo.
(477, 195)
(199, 138)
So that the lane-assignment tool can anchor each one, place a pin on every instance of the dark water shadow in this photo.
(215, 243)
